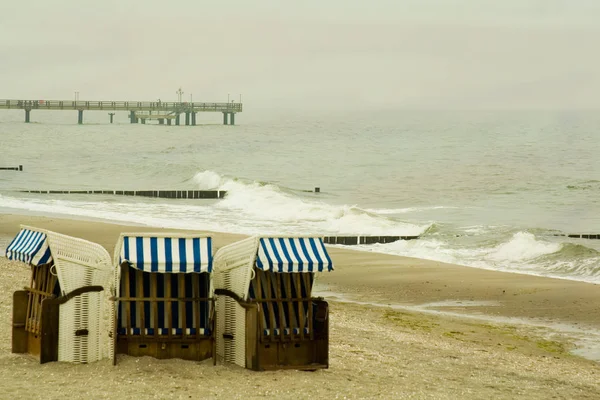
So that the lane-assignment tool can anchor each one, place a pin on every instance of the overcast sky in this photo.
(328, 53)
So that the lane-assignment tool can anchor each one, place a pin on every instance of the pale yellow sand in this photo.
(376, 352)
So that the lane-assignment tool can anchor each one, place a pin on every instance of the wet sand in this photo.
(400, 328)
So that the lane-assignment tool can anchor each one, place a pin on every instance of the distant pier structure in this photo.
(138, 111)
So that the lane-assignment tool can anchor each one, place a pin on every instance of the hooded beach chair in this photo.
(59, 316)
(266, 317)
(163, 301)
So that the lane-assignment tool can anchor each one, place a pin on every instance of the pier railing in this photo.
(120, 105)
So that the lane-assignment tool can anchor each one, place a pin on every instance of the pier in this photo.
(138, 111)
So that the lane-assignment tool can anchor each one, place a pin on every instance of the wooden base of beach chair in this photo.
(192, 349)
(288, 352)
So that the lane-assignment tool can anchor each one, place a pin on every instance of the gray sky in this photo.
(330, 53)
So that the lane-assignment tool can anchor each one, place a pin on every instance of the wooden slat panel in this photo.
(168, 303)
(127, 304)
(276, 282)
(266, 285)
(290, 304)
(307, 285)
(49, 336)
(159, 299)
(139, 283)
(19, 318)
(154, 302)
(182, 293)
(33, 316)
(37, 300)
(51, 281)
(35, 291)
(30, 301)
(293, 299)
(301, 319)
(196, 305)
(257, 290)
(48, 286)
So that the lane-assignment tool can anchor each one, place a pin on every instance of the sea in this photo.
(486, 189)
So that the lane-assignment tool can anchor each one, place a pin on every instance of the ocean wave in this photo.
(407, 210)
(585, 185)
(523, 246)
(209, 180)
(254, 207)
(260, 201)
(249, 207)
(520, 252)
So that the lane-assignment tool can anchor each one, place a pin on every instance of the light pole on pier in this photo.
(76, 95)
(180, 94)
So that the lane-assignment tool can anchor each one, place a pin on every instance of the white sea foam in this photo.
(523, 246)
(407, 210)
(523, 253)
(249, 208)
(476, 229)
(208, 180)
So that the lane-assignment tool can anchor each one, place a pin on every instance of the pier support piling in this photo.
(80, 117)
(169, 121)
(27, 115)
(194, 119)
(187, 118)
(111, 117)
(132, 117)
(231, 118)
(225, 118)
(143, 121)
(177, 119)
(161, 121)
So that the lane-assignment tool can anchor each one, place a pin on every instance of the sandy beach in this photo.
(400, 328)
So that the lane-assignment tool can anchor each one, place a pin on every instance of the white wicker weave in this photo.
(81, 263)
(233, 269)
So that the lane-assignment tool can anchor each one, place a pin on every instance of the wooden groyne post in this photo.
(19, 168)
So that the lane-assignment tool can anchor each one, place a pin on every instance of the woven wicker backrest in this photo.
(78, 264)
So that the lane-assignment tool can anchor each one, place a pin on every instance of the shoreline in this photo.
(143, 227)
(398, 325)
(423, 281)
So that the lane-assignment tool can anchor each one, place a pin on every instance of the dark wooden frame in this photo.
(196, 347)
(281, 350)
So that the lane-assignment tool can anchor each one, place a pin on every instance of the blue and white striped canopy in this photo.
(30, 247)
(168, 255)
(293, 255)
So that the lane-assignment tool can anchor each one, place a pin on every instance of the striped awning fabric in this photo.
(168, 255)
(30, 247)
(293, 255)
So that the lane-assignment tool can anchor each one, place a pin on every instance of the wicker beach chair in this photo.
(163, 303)
(58, 317)
(266, 317)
